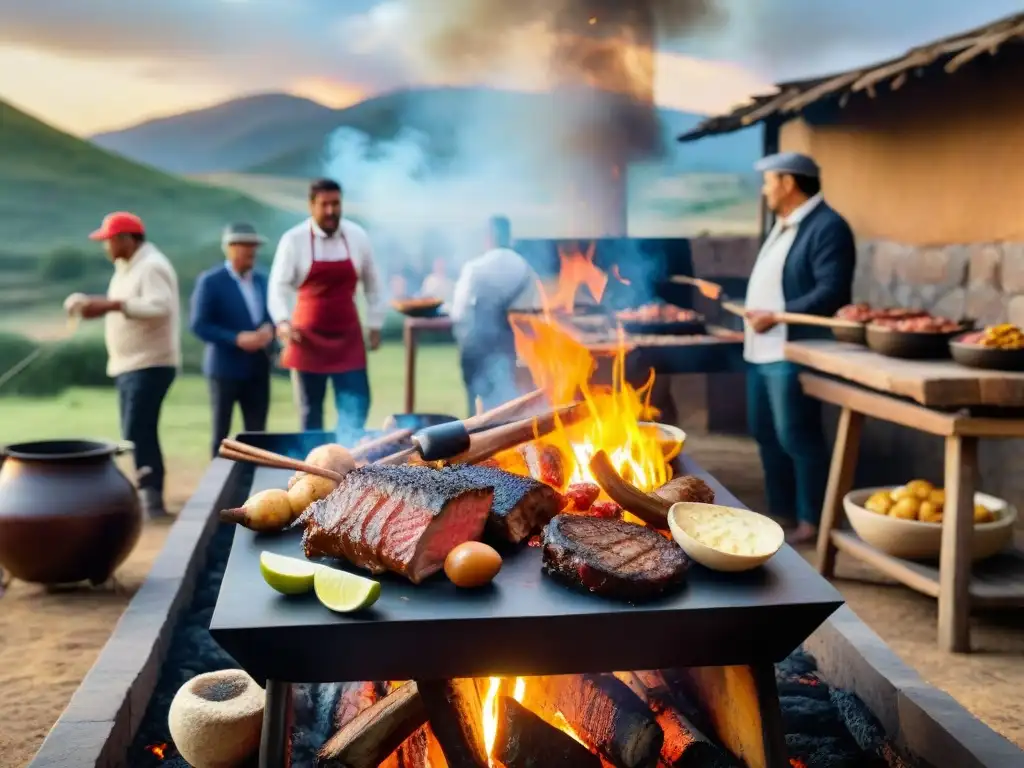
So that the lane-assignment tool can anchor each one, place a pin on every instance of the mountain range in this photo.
(55, 189)
(283, 135)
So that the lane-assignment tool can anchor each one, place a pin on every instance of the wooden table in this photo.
(935, 397)
(411, 329)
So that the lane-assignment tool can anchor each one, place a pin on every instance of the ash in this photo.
(825, 727)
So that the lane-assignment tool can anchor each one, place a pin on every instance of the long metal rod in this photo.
(275, 751)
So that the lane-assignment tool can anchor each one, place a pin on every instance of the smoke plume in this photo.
(557, 161)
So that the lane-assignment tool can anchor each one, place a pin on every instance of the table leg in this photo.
(961, 472)
(409, 336)
(275, 749)
(840, 481)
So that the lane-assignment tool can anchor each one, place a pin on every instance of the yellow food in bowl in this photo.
(921, 501)
(724, 538)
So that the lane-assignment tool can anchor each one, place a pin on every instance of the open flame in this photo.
(563, 367)
(576, 268)
(490, 715)
(157, 750)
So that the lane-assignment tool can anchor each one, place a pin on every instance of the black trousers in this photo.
(140, 396)
(351, 400)
(251, 395)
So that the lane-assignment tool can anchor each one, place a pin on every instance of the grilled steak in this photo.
(396, 518)
(612, 557)
(521, 504)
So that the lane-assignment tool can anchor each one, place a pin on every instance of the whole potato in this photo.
(879, 502)
(983, 514)
(307, 489)
(903, 492)
(929, 512)
(332, 456)
(938, 496)
(906, 508)
(920, 488)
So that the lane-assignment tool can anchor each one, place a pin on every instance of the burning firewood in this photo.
(685, 746)
(455, 710)
(603, 712)
(524, 740)
(375, 732)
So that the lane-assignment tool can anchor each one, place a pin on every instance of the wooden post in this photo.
(409, 336)
(840, 481)
(961, 473)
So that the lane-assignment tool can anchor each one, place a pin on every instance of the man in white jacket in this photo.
(141, 312)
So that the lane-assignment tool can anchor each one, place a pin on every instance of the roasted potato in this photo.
(880, 503)
(903, 492)
(920, 488)
(929, 512)
(906, 508)
(983, 514)
(937, 496)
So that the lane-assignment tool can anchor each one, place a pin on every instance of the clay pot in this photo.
(67, 513)
(215, 719)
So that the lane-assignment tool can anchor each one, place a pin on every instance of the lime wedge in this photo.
(288, 575)
(344, 592)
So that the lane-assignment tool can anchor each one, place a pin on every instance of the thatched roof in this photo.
(791, 98)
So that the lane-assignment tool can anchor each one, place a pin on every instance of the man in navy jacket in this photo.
(806, 265)
(229, 313)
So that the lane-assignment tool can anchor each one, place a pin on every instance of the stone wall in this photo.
(984, 281)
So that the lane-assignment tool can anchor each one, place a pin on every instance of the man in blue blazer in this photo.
(229, 313)
(806, 265)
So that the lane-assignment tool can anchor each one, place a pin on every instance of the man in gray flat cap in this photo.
(806, 266)
(229, 313)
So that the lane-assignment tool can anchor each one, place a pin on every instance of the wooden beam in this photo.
(957, 531)
(841, 472)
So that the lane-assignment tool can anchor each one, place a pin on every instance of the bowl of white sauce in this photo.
(724, 538)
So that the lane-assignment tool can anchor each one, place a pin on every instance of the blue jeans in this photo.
(491, 377)
(140, 396)
(351, 400)
(788, 429)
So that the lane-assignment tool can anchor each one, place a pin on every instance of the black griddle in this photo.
(523, 624)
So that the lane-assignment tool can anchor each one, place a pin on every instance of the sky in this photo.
(92, 65)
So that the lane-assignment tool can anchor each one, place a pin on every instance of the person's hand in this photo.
(250, 341)
(761, 320)
(73, 304)
(374, 340)
(286, 334)
(96, 306)
(266, 332)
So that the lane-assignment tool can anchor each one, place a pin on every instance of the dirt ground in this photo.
(48, 641)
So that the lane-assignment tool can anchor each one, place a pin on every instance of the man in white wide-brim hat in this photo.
(229, 313)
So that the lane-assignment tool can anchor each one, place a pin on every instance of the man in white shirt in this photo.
(488, 287)
(141, 312)
(311, 296)
(805, 266)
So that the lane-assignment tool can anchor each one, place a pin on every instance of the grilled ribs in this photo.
(612, 558)
(403, 519)
(521, 504)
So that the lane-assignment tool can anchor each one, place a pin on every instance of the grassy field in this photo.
(185, 424)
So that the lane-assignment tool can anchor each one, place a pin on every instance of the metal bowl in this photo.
(419, 307)
(988, 358)
(851, 334)
(909, 345)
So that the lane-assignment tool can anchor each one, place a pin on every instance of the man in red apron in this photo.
(311, 296)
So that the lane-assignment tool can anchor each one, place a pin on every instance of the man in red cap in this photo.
(141, 312)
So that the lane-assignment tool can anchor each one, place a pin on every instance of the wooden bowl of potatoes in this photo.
(906, 521)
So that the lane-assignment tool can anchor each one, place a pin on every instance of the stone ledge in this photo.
(100, 721)
(923, 719)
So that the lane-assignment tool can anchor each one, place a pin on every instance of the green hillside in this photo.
(55, 189)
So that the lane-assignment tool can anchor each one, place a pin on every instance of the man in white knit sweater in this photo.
(141, 312)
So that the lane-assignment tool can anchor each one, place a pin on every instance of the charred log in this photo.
(604, 713)
(375, 732)
(456, 717)
(685, 746)
(355, 697)
(524, 740)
